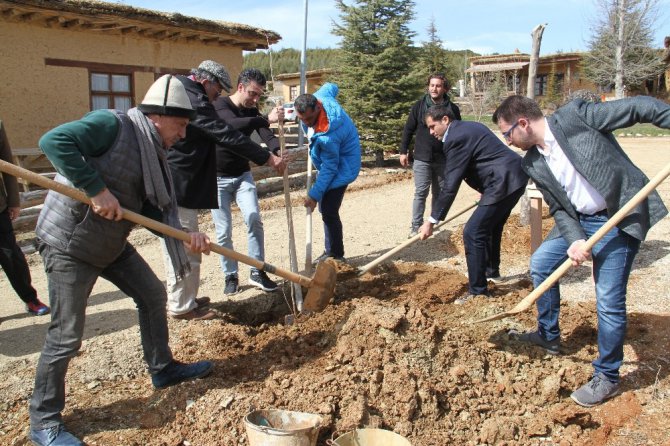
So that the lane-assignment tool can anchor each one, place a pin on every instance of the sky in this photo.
(483, 26)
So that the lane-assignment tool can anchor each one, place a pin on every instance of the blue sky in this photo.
(484, 26)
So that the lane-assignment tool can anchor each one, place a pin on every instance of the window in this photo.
(540, 85)
(111, 91)
(293, 92)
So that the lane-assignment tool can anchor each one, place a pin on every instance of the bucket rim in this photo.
(282, 432)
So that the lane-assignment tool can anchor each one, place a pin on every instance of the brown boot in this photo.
(196, 314)
(202, 301)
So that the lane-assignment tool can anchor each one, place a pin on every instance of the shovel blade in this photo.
(322, 288)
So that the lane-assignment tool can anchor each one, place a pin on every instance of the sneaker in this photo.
(261, 280)
(412, 233)
(468, 297)
(595, 391)
(321, 258)
(37, 308)
(177, 372)
(54, 436)
(202, 301)
(196, 314)
(534, 337)
(232, 284)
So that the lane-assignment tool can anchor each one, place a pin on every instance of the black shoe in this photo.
(177, 372)
(232, 284)
(260, 279)
(535, 338)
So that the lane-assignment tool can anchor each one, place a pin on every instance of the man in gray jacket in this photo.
(118, 159)
(585, 177)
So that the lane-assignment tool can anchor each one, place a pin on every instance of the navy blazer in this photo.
(475, 155)
(584, 132)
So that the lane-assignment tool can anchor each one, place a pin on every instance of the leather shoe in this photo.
(202, 301)
(177, 372)
(54, 436)
(196, 314)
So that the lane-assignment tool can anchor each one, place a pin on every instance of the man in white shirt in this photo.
(585, 177)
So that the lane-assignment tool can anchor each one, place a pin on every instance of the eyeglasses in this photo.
(509, 131)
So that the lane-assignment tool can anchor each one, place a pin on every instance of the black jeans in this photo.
(481, 236)
(13, 261)
(332, 225)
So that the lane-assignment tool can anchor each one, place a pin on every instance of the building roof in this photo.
(507, 66)
(115, 18)
(309, 73)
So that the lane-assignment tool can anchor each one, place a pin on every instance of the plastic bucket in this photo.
(273, 427)
(371, 437)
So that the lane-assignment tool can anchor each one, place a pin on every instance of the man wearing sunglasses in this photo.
(475, 155)
(193, 164)
(585, 177)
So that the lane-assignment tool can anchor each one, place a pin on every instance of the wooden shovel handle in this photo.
(139, 219)
(595, 238)
(365, 268)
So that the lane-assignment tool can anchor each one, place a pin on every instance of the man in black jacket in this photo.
(475, 155)
(193, 166)
(428, 164)
(234, 179)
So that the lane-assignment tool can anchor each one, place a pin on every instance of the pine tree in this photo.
(377, 86)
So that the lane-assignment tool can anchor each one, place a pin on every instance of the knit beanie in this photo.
(218, 71)
(167, 96)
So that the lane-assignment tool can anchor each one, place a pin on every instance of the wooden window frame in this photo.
(111, 94)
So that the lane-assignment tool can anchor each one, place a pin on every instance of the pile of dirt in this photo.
(391, 351)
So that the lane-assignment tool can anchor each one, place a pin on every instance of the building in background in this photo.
(61, 59)
(288, 85)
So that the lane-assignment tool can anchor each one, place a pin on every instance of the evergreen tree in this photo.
(621, 52)
(375, 76)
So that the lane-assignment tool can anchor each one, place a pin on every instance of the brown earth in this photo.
(391, 350)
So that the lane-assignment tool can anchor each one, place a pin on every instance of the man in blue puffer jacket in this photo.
(336, 153)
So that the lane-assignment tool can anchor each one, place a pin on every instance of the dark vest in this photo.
(72, 227)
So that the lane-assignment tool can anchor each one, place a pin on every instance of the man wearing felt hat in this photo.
(119, 160)
(193, 165)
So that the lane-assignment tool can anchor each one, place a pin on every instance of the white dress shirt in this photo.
(582, 195)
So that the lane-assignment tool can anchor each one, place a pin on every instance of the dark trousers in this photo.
(332, 225)
(482, 236)
(70, 284)
(13, 261)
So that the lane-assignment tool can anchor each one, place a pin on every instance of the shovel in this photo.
(365, 268)
(321, 287)
(595, 238)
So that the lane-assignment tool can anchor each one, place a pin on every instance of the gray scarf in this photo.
(154, 164)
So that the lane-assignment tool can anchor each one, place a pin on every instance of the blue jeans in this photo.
(613, 259)
(241, 189)
(426, 176)
(332, 225)
(70, 283)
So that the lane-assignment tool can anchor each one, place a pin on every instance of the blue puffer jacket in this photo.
(337, 152)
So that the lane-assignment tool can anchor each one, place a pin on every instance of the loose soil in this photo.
(392, 350)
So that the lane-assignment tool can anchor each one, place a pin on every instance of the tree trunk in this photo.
(619, 90)
(534, 59)
(379, 158)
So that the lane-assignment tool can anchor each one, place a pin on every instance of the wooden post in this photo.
(534, 59)
(535, 198)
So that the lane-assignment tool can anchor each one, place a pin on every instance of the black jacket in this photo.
(246, 120)
(426, 147)
(192, 160)
(475, 155)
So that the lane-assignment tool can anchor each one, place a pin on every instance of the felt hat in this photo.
(167, 96)
(218, 71)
